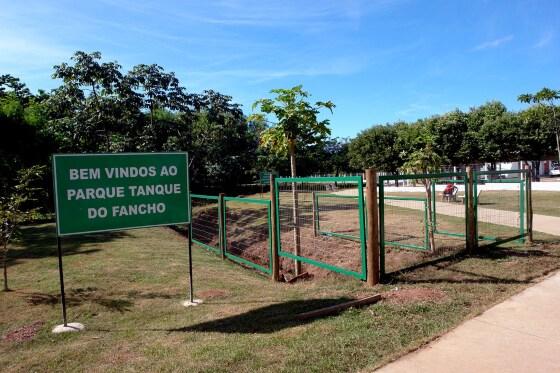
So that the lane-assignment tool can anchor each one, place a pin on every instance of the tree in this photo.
(297, 123)
(535, 139)
(545, 99)
(156, 90)
(425, 161)
(88, 110)
(376, 147)
(499, 139)
(22, 121)
(18, 88)
(16, 207)
(448, 132)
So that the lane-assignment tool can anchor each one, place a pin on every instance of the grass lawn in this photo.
(544, 203)
(127, 287)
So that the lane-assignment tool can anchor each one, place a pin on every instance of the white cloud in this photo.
(544, 40)
(493, 43)
(21, 53)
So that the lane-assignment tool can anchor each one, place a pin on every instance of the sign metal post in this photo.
(109, 192)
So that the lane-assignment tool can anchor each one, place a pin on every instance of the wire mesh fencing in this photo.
(205, 221)
(500, 205)
(248, 232)
(407, 219)
(421, 217)
(321, 223)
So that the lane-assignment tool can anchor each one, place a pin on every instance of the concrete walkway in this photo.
(541, 223)
(521, 334)
(546, 224)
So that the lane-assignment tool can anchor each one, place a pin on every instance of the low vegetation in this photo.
(126, 287)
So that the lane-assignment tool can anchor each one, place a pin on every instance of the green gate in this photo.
(248, 232)
(414, 207)
(500, 205)
(321, 222)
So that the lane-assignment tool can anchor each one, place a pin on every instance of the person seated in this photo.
(448, 191)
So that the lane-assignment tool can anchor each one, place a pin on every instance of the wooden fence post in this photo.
(221, 225)
(372, 228)
(472, 241)
(274, 236)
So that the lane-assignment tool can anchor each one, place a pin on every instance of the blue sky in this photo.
(378, 60)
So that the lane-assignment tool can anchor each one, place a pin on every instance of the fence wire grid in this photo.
(500, 206)
(248, 232)
(321, 222)
(415, 208)
(205, 221)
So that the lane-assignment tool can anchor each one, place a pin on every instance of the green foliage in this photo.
(17, 205)
(488, 133)
(499, 138)
(448, 132)
(377, 148)
(424, 160)
(297, 120)
(546, 106)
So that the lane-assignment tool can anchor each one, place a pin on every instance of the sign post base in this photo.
(193, 303)
(68, 328)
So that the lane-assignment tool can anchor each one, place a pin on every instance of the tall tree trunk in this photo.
(430, 222)
(295, 212)
(5, 265)
(535, 169)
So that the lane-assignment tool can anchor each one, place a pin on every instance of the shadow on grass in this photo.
(268, 319)
(490, 253)
(39, 241)
(75, 297)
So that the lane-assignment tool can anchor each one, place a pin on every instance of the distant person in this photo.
(448, 191)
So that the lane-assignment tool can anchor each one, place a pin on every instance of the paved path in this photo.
(541, 223)
(546, 224)
(521, 334)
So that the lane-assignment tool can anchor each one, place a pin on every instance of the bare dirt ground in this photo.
(248, 235)
(334, 238)
(25, 333)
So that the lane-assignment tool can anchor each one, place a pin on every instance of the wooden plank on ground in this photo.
(338, 308)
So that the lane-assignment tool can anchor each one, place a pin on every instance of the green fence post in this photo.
(529, 201)
(426, 233)
(275, 262)
(470, 196)
(433, 202)
(382, 226)
(222, 225)
(522, 210)
(315, 213)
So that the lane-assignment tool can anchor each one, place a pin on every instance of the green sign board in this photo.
(104, 192)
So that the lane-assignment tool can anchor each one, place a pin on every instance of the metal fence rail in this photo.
(248, 232)
(321, 221)
(409, 229)
(319, 229)
(424, 214)
(500, 205)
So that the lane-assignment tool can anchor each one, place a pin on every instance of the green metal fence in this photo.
(248, 232)
(412, 230)
(205, 221)
(331, 235)
(500, 205)
(324, 203)
(416, 207)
